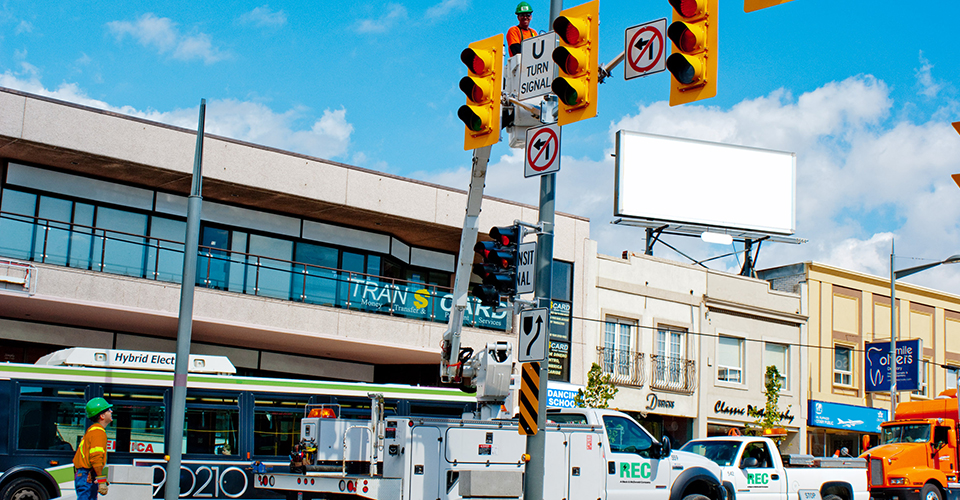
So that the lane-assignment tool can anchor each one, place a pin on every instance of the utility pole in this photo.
(537, 444)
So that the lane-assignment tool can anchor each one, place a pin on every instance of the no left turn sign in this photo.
(644, 49)
(542, 151)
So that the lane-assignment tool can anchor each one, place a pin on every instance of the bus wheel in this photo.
(930, 492)
(24, 488)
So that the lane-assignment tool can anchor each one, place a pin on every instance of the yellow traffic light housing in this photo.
(482, 86)
(693, 62)
(753, 5)
(577, 62)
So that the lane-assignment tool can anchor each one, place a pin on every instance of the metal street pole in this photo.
(893, 335)
(537, 444)
(174, 446)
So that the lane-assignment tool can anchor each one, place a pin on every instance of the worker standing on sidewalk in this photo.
(91, 456)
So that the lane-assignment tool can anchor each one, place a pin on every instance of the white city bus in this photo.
(230, 422)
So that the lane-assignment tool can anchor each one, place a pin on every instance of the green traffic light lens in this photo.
(565, 92)
(681, 69)
(470, 119)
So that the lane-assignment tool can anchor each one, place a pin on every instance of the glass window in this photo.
(730, 359)
(53, 233)
(238, 261)
(276, 425)
(625, 436)
(138, 418)
(122, 252)
(618, 342)
(213, 262)
(271, 274)
(952, 373)
(670, 361)
(165, 254)
(759, 452)
(316, 282)
(51, 418)
(924, 375)
(17, 231)
(777, 355)
(81, 239)
(562, 280)
(842, 365)
(211, 429)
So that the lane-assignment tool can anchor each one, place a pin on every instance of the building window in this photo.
(618, 344)
(952, 373)
(730, 360)
(777, 355)
(670, 362)
(842, 366)
(922, 385)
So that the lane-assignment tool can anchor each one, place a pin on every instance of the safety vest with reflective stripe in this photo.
(92, 452)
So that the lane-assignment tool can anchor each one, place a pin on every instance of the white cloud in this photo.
(445, 7)
(327, 137)
(264, 17)
(929, 86)
(862, 179)
(393, 13)
(161, 33)
(23, 27)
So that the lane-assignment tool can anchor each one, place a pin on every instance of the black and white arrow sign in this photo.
(543, 151)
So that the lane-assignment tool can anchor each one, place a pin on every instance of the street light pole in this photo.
(894, 276)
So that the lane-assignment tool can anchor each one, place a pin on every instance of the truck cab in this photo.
(753, 469)
(917, 457)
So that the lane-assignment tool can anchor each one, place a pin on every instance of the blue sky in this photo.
(863, 92)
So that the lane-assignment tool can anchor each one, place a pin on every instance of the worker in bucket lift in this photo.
(522, 31)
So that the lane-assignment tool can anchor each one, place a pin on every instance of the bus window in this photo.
(276, 424)
(138, 418)
(50, 418)
(211, 430)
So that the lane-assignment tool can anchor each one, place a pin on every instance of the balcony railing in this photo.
(624, 367)
(673, 374)
(86, 247)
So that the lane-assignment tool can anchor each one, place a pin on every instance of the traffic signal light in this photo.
(693, 62)
(576, 58)
(482, 85)
(754, 5)
(498, 265)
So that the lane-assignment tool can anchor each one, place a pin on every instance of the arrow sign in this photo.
(644, 49)
(534, 324)
(542, 151)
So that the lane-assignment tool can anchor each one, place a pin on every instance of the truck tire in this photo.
(697, 496)
(24, 488)
(930, 492)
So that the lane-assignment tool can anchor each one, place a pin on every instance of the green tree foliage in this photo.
(770, 416)
(599, 391)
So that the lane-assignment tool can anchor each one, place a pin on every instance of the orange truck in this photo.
(917, 455)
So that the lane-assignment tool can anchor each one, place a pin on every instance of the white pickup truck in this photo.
(753, 469)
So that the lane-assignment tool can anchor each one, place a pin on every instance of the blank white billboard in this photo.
(695, 182)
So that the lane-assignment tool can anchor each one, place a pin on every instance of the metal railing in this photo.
(624, 367)
(80, 246)
(673, 374)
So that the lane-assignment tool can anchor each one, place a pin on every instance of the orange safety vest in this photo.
(515, 36)
(92, 452)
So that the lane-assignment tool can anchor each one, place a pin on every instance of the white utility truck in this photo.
(753, 469)
(590, 454)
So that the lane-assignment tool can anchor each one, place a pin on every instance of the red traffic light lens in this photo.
(687, 8)
(472, 61)
(473, 91)
(688, 41)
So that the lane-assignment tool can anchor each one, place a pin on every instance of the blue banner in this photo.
(846, 417)
(877, 360)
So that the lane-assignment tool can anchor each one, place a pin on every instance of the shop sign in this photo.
(748, 411)
(846, 417)
(560, 395)
(656, 403)
(420, 301)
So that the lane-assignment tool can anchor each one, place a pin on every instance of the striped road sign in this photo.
(529, 398)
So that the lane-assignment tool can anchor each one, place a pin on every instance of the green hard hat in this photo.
(524, 8)
(97, 406)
